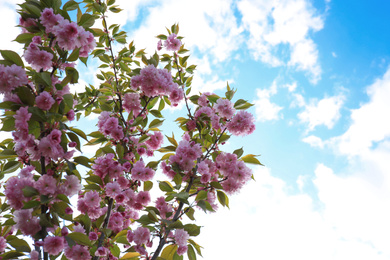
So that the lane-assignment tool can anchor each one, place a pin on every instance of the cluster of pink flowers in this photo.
(106, 165)
(164, 208)
(155, 141)
(141, 236)
(241, 124)
(14, 188)
(237, 172)
(181, 237)
(221, 115)
(11, 77)
(109, 126)
(157, 82)
(186, 154)
(25, 222)
(171, 43)
(50, 147)
(44, 100)
(77, 252)
(39, 59)
(90, 203)
(69, 35)
(141, 173)
(131, 102)
(53, 245)
(3, 244)
(208, 170)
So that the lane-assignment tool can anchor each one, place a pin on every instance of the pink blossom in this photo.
(44, 101)
(46, 185)
(101, 251)
(11, 77)
(182, 250)
(241, 124)
(92, 199)
(132, 102)
(34, 255)
(72, 185)
(64, 231)
(143, 197)
(53, 245)
(77, 252)
(39, 59)
(130, 236)
(3, 244)
(155, 141)
(14, 191)
(181, 237)
(177, 95)
(172, 43)
(159, 45)
(26, 223)
(141, 235)
(93, 236)
(224, 108)
(70, 115)
(113, 189)
(116, 222)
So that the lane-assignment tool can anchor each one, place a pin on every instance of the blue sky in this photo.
(318, 73)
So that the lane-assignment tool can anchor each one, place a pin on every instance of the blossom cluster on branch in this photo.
(115, 216)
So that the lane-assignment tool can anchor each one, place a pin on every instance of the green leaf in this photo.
(239, 152)
(74, 55)
(74, 138)
(8, 124)
(7, 154)
(72, 76)
(13, 57)
(192, 229)
(172, 140)
(11, 255)
(83, 161)
(148, 185)
(20, 245)
(80, 238)
(25, 95)
(156, 113)
(70, 5)
(24, 38)
(79, 133)
(86, 20)
(29, 191)
(191, 253)
(250, 158)
(156, 123)
(202, 195)
(223, 198)
(31, 204)
(11, 167)
(242, 104)
(143, 138)
(165, 186)
(169, 251)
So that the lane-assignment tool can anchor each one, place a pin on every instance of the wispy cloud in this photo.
(320, 112)
(272, 24)
(265, 109)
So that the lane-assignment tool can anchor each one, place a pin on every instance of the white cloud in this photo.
(9, 19)
(267, 222)
(272, 24)
(321, 112)
(314, 141)
(369, 122)
(265, 109)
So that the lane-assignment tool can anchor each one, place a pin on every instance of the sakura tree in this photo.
(115, 216)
